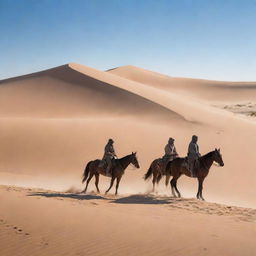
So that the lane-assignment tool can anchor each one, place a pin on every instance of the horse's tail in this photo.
(149, 173)
(86, 172)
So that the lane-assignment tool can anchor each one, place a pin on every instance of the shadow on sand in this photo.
(67, 195)
(133, 199)
(141, 199)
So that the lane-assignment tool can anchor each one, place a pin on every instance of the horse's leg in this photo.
(154, 182)
(159, 177)
(176, 189)
(168, 176)
(201, 191)
(172, 186)
(97, 176)
(111, 184)
(88, 181)
(117, 184)
(200, 187)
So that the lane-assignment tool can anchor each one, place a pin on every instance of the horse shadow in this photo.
(141, 199)
(132, 199)
(67, 195)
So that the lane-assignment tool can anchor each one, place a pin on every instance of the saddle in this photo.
(185, 163)
(162, 162)
(103, 164)
(192, 167)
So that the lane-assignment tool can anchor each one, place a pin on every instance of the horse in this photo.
(117, 171)
(156, 169)
(176, 168)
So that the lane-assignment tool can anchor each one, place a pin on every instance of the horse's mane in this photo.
(124, 157)
(207, 154)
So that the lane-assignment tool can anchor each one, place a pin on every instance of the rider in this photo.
(193, 155)
(109, 155)
(170, 152)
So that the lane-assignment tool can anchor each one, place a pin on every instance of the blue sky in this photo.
(190, 38)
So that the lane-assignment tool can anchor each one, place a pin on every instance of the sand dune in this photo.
(54, 121)
(63, 92)
(214, 91)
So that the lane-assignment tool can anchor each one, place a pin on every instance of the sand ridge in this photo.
(207, 90)
(63, 92)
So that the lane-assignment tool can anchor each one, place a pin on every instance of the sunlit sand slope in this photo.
(53, 122)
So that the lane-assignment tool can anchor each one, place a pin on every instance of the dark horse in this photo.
(117, 171)
(157, 170)
(176, 168)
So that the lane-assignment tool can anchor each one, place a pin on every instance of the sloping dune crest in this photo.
(65, 92)
(213, 91)
(53, 122)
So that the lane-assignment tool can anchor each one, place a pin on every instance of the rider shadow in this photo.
(72, 196)
(140, 199)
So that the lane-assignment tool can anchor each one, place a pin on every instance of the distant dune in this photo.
(216, 91)
(53, 122)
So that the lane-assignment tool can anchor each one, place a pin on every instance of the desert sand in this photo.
(53, 122)
(53, 223)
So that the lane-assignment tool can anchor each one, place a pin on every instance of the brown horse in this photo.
(176, 168)
(157, 170)
(117, 171)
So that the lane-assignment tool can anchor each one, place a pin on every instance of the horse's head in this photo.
(134, 160)
(217, 157)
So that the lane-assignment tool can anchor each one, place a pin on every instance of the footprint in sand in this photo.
(17, 229)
